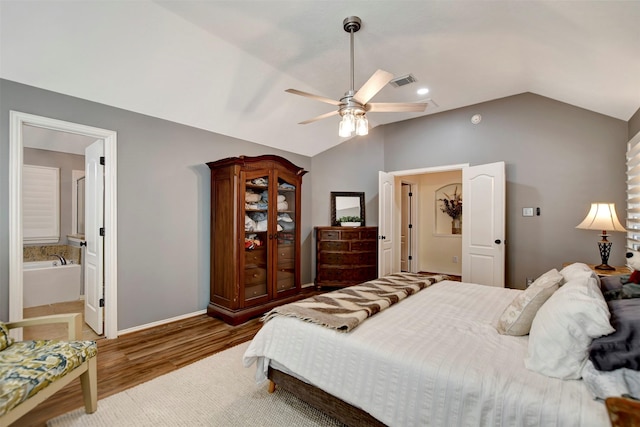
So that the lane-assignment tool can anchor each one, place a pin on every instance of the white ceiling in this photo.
(52, 140)
(224, 65)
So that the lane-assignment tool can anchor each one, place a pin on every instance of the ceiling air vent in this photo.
(403, 81)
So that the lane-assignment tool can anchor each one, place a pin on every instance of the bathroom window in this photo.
(40, 204)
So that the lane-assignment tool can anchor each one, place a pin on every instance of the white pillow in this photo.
(517, 317)
(564, 327)
(577, 270)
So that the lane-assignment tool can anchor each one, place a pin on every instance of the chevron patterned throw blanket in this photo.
(346, 308)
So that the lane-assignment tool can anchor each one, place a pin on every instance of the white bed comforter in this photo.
(433, 359)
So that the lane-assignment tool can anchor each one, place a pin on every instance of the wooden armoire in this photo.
(255, 236)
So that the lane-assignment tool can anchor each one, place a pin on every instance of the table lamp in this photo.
(602, 216)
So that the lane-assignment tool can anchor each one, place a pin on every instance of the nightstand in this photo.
(619, 270)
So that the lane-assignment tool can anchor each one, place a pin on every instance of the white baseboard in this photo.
(161, 322)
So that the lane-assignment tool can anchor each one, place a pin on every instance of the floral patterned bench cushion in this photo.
(5, 339)
(26, 367)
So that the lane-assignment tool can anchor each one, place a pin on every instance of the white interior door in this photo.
(483, 224)
(94, 221)
(385, 224)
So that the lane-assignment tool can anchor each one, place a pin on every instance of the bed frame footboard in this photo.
(320, 399)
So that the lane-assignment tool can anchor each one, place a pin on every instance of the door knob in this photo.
(83, 243)
(497, 242)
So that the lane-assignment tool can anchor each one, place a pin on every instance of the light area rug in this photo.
(216, 391)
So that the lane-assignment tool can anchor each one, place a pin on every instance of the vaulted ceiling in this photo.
(224, 65)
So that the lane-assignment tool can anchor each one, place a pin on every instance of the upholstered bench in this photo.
(31, 371)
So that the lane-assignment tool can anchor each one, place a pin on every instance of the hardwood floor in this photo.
(56, 331)
(141, 356)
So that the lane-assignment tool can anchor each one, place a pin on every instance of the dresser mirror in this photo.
(345, 203)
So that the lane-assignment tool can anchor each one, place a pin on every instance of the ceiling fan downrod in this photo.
(351, 111)
(351, 25)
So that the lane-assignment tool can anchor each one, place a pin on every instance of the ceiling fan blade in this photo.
(395, 107)
(320, 117)
(312, 96)
(372, 86)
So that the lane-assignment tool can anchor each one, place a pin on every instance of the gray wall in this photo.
(634, 124)
(558, 157)
(163, 202)
(350, 166)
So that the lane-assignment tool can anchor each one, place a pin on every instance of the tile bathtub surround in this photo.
(43, 253)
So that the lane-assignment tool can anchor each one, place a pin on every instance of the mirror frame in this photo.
(334, 194)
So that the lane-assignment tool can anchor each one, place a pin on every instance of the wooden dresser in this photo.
(346, 256)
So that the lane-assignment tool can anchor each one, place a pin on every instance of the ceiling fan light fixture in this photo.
(354, 104)
(362, 125)
(350, 121)
(344, 130)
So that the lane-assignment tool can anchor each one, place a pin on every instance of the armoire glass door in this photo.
(286, 235)
(256, 236)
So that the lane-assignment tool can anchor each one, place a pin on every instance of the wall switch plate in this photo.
(527, 211)
(455, 259)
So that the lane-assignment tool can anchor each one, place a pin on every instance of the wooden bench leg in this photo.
(272, 386)
(89, 383)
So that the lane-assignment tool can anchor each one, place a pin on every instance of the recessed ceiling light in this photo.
(423, 91)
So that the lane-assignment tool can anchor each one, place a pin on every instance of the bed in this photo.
(434, 358)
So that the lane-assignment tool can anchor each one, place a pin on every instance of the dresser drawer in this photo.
(369, 234)
(254, 291)
(363, 274)
(334, 246)
(255, 276)
(330, 275)
(329, 235)
(285, 279)
(350, 235)
(255, 258)
(367, 245)
(348, 258)
(286, 254)
(347, 275)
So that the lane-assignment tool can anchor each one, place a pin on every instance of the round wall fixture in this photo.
(476, 118)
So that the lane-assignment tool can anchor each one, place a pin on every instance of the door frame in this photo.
(16, 122)
(396, 225)
(414, 188)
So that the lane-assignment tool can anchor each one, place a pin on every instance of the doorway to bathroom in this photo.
(99, 273)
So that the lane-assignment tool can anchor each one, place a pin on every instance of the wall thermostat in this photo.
(476, 118)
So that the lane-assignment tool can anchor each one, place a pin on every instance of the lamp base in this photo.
(605, 249)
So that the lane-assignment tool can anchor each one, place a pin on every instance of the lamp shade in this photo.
(601, 216)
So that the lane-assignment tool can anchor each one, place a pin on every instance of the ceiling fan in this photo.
(353, 106)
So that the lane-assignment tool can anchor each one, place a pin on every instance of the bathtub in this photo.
(48, 282)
